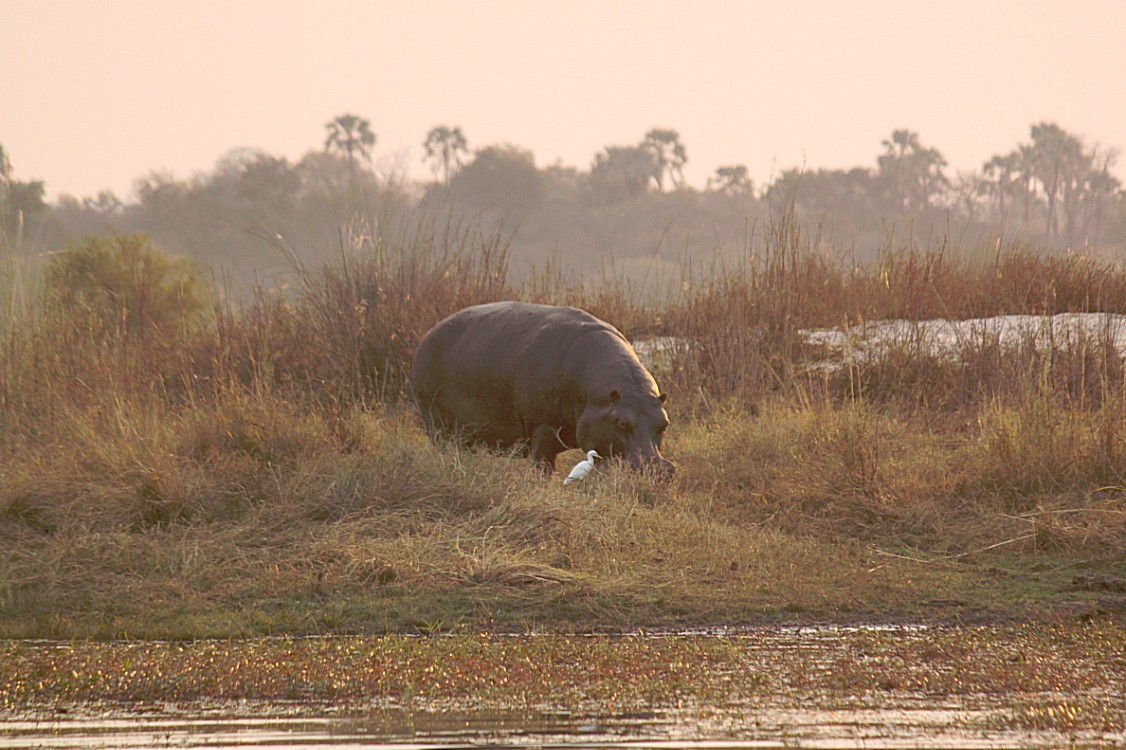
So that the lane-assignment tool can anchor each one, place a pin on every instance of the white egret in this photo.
(582, 468)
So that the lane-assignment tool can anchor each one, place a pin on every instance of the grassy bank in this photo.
(173, 467)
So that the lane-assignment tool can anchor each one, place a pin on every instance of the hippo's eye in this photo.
(626, 427)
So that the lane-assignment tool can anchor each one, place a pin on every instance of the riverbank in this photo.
(179, 471)
(254, 519)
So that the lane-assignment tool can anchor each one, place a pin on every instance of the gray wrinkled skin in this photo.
(540, 379)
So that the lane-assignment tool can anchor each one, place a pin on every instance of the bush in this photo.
(124, 285)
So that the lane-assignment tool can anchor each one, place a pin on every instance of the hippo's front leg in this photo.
(545, 446)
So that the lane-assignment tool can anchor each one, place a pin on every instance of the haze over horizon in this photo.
(96, 96)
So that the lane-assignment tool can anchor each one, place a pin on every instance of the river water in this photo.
(922, 726)
(897, 715)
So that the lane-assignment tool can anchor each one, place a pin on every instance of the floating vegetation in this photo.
(1028, 677)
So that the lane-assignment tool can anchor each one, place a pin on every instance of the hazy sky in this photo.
(96, 93)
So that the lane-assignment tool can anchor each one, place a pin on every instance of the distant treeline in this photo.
(256, 216)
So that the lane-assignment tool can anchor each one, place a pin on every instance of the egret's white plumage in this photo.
(582, 468)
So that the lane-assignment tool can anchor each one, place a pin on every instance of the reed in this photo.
(246, 469)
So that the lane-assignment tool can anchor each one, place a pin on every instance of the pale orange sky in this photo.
(94, 94)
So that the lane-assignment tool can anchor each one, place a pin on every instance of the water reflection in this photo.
(305, 726)
(787, 712)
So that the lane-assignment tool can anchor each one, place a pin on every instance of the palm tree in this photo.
(5, 170)
(623, 172)
(1002, 177)
(670, 155)
(1058, 162)
(445, 147)
(351, 135)
(732, 180)
(1026, 181)
(1101, 187)
(914, 171)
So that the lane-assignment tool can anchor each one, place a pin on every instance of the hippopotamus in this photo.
(541, 379)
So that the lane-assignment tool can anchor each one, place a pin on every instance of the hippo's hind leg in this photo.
(545, 446)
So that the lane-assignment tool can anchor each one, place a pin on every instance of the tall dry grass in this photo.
(259, 468)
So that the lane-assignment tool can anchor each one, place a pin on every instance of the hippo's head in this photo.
(629, 427)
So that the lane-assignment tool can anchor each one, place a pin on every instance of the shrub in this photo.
(124, 285)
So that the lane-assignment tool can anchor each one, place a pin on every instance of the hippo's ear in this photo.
(614, 396)
(663, 397)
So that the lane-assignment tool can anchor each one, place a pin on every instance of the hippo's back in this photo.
(482, 370)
